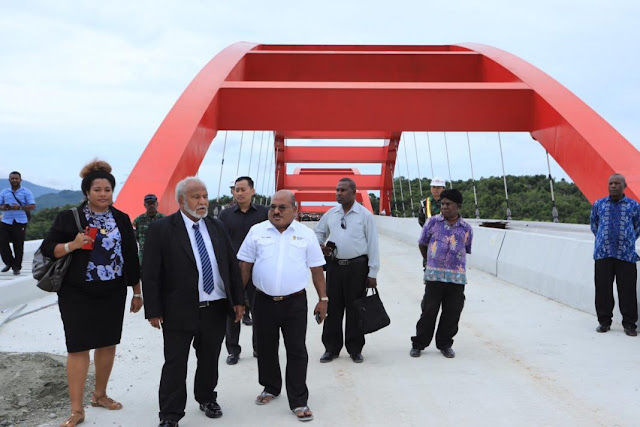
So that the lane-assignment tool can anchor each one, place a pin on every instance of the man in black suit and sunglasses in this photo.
(353, 268)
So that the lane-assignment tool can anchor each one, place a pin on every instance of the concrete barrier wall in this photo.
(553, 260)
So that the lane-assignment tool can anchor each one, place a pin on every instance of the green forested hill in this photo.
(529, 198)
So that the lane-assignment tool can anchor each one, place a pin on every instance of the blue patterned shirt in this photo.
(616, 225)
(447, 246)
(105, 260)
(24, 197)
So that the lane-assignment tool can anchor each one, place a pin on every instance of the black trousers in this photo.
(449, 296)
(289, 316)
(232, 336)
(14, 234)
(207, 341)
(345, 283)
(626, 276)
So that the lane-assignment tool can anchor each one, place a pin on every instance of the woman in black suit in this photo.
(94, 290)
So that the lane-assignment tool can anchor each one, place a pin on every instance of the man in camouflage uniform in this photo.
(142, 222)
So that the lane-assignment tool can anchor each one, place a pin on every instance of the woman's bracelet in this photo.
(137, 295)
(67, 249)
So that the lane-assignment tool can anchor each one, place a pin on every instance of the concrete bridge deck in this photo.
(522, 359)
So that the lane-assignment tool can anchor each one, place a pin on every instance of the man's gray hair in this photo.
(180, 187)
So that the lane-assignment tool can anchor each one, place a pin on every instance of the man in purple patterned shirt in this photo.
(444, 243)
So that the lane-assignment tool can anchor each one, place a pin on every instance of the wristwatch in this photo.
(324, 299)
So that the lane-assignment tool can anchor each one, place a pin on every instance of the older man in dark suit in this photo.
(191, 284)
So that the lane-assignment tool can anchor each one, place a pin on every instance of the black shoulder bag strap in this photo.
(28, 213)
(77, 217)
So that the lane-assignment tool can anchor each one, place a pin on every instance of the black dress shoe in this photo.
(16, 272)
(448, 353)
(327, 357)
(232, 359)
(603, 328)
(168, 423)
(6, 268)
(357, 357)
(211, 409)
(415, 352)
(631, 332)
(246, 320)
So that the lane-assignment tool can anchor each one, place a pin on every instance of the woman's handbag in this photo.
(49, 272)
(371, 313)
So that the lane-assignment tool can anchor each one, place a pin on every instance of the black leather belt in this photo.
(281, 297)
(351, 261)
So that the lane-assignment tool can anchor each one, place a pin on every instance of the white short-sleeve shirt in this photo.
(281, 261)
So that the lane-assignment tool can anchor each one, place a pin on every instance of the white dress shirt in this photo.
(218, 290)
(360, 237)
(281, 261)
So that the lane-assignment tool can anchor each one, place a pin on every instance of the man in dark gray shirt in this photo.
(239, 218)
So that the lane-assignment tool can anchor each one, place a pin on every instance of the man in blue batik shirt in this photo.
(16, 202)
(615, 221)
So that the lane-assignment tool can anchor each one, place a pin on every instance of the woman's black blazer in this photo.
(64, 230)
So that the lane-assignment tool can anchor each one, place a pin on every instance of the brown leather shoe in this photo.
(631, 332)
(76, 418)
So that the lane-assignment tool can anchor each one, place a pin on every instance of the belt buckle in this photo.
(343, 262)
(204, 304)
(278, 298)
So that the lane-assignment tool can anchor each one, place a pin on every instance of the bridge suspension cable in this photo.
(268, 190)
(554, 209)
(406, 159)
(224, 149)
(263, 199)
(393, 186)
(504, 178)
(239, 154)
(473, 179)
(415, 145)
(401, 193)
(253, 137)
(260, 154)
(446, 148)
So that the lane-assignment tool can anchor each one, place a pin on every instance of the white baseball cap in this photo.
(438, 182)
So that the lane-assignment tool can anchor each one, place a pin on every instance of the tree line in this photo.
(529, 198)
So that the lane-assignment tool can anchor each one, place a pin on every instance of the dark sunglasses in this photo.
(343, 223)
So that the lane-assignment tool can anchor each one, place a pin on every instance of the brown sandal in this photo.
(105, 402)
(76, 418)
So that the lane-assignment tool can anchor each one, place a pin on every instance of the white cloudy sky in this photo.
(86, 79)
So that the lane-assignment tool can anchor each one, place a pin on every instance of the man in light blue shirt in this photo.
(17, 202)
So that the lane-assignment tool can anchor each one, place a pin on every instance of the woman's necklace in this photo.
(100, 221)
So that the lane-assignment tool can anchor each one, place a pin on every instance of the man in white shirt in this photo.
(277, 255)
(354, 265)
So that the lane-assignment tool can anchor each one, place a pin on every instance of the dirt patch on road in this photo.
(34, 389)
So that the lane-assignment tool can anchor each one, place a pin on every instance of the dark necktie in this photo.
(207, 272)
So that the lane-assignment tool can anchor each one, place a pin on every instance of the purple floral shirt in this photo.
(447, 246)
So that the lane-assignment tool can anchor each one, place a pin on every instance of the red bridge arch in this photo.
(355, 92)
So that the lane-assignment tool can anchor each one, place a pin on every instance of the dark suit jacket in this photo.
(64, 230)
(170, 274)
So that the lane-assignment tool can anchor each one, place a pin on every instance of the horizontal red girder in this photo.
(334, 155)
(355, 47)
(310, 134)
(329, 180)
(315, 209)
(299, 106)
(369, 66)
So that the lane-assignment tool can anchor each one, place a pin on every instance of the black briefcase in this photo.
(371, 313)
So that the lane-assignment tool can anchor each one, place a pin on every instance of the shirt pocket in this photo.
(298, 250)
(266, 248)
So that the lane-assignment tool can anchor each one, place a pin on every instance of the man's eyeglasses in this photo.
(343, 223)
(279, 207)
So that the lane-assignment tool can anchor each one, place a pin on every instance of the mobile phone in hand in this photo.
(318, 321)
(91, 232)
